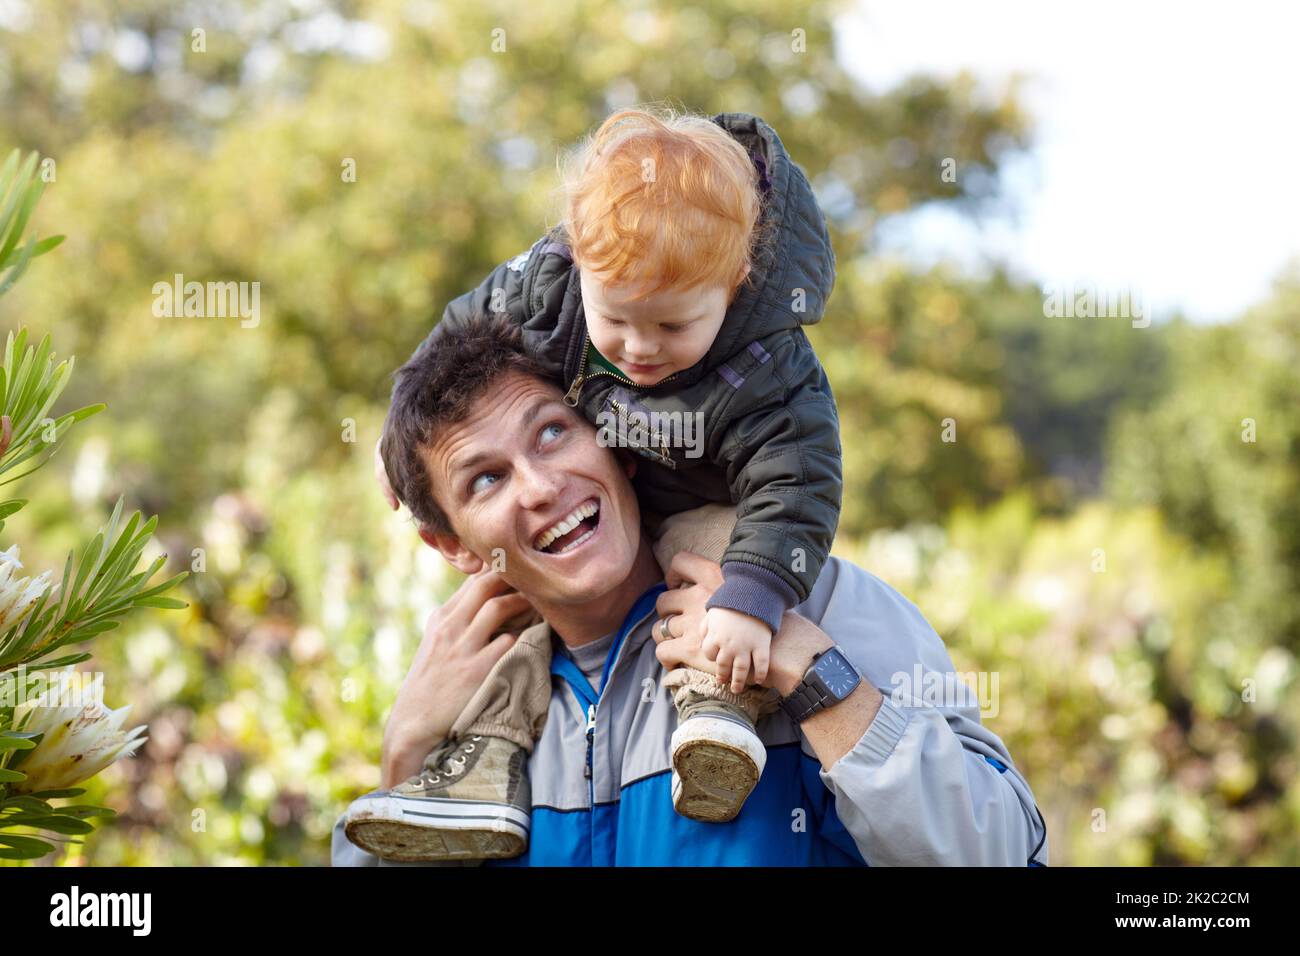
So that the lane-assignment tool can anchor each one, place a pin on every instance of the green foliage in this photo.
(20, 191)
(1220, 454)
(30, 384)
(97, 590)
(35, 812)
(1117, 691)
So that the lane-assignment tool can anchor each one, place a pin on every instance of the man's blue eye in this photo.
(477, 484)
(556, 426)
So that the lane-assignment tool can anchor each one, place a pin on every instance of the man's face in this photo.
(657, 336)
(524, 474)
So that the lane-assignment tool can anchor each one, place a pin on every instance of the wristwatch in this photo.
(829, 679)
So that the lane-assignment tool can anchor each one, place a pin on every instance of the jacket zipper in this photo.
(591, 735)
(661, 449)
(571, 396)
(591, 730)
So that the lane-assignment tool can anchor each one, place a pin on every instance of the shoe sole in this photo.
(717, 764)
(406, 830)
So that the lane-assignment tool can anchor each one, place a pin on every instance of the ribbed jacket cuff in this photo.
(886, 729)
(755, 591)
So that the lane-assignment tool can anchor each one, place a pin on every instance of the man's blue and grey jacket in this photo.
(926, 784)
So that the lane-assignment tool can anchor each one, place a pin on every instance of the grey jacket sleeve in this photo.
(927, 784)
(781, 451)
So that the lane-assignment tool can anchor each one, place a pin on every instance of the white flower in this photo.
(18, 595)
(79, 742)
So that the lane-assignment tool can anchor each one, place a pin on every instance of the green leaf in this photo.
(23, 848)
(164, 602)
(62, 661)
(56, 822)
(86, 810)
(58, 794)
(46, 244)
(26, 802)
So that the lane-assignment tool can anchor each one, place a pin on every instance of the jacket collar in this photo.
(631, 634)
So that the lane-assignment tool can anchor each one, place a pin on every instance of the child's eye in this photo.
(614, 323)
(480, 482)
(673, 328)
(555, 429)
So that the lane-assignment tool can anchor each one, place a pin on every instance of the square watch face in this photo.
(837, 673)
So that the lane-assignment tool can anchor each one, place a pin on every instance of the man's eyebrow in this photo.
(532, 411)
(469, 462)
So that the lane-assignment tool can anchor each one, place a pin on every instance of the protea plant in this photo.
(17, 595)
(73, 743)
(45, 748)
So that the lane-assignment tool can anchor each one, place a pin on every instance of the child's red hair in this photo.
(667, 199)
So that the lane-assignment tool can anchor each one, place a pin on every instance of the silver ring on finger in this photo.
(663, 627)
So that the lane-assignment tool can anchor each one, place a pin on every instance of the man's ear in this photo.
(450, 547)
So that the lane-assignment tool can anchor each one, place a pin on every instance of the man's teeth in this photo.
(565, 525)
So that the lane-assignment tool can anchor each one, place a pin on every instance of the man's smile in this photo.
(571, 531)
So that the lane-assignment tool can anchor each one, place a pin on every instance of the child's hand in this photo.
(739, 644)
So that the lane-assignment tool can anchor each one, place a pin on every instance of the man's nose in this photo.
(539, 484)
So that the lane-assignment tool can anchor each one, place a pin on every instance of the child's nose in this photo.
(639, 346)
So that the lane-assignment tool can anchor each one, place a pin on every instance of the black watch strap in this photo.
(803, 702)
(810, 695)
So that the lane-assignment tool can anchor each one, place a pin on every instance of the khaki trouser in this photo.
(513, 700)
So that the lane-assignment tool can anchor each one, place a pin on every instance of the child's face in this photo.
(657, 336)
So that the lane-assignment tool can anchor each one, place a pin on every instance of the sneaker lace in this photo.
(446, 759)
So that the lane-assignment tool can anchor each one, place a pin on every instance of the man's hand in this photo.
(735, 646)
(453, 659)
(381, 476)
(695, 579)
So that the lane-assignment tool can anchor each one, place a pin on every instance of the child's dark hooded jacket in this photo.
(771, 434)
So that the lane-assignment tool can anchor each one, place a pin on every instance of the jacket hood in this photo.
(795, 253)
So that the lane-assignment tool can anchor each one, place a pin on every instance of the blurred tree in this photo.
(451, 135)
(1219, 454)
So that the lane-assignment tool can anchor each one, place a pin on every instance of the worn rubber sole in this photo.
(716, 765)
(410, 830)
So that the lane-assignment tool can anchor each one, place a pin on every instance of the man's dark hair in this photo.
(437, 387)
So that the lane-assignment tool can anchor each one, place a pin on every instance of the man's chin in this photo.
(586, 575)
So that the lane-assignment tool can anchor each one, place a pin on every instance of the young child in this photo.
(669, 306)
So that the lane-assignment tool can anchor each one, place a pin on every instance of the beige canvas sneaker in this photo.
(471, 801)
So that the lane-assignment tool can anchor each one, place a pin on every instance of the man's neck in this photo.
(581, 624)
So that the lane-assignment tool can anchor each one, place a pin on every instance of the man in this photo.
(852, 775)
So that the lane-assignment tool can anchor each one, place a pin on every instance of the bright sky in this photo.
(1167, 156)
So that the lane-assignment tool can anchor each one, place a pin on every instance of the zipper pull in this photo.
(571, 397)
(591, 731)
